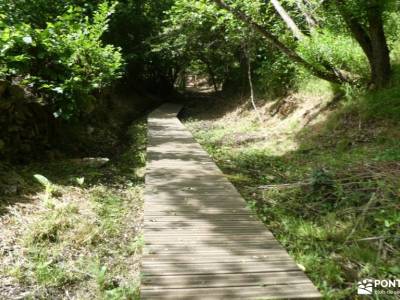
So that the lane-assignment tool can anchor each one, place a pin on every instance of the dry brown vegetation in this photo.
(79, 235)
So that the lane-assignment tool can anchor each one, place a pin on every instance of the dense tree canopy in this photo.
(64, 53)
(334, 40)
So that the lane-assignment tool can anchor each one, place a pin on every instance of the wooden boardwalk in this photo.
(201, 240)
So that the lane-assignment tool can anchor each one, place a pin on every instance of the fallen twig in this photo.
(372, 238)
(284, 185)
(362, 216)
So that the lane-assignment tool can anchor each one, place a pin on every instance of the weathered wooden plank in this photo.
(202, 242)
(208, 243)
(240, 241)
(219, 268)
(166, 223)
(195, 227)
(201, 210)
(217, 257)
(179, 172)
(221, 232)
(221, 217)
(193, 215)
(187, 205)
(224, 280)
(213, 180)
(292, 291)
(154, 195)
(220, 238)
(159, 250)
(180, 189)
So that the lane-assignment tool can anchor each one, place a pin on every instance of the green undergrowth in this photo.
(334, 201)
(74, 231)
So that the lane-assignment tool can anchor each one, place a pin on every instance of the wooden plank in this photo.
(166, 223)
(219, 268)
(153, 195)
(201, 240)
(239, 242)
(178, 172)
(292, 291)
(210, 239)
(193, 204)
(221, 217)
(217, 257)
(181, 249)
(166, 192)
(214, 180)
(201, 210)
(194, 227)
(223, 232)
(224, 280)
(210, 245)
(200, 215)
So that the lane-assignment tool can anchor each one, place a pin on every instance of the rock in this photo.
(90, 130)
(10, 190)
(91, 161)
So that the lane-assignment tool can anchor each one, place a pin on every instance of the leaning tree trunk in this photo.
(287, 19)
(299, 35)
(328, 75)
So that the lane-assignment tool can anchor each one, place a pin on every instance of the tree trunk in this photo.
(300, 36)
(288, 20)
(210, 72)
(373, 42)
(274, 41)
(212, 75)
(381, 55)
(251, 87)
(357, 30)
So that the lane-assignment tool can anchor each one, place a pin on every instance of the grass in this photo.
(330, 194)
(75, 232)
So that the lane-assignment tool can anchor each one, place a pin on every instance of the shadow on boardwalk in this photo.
(201, 240)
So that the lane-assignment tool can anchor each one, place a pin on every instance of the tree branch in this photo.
(287, 19)
(274, 41)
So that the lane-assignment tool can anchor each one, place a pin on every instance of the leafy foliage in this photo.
(64, 63)
(202, 37)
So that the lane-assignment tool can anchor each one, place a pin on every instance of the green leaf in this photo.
(42, 180)
(80, 180)
(27, 40)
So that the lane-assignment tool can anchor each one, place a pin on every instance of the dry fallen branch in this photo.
(360, 220)
(284, 185)
(373, 238)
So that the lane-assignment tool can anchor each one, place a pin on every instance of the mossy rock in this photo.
(10, 181)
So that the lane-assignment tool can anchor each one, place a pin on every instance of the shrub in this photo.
(275, 76)
(62, 64)
(338, 50)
